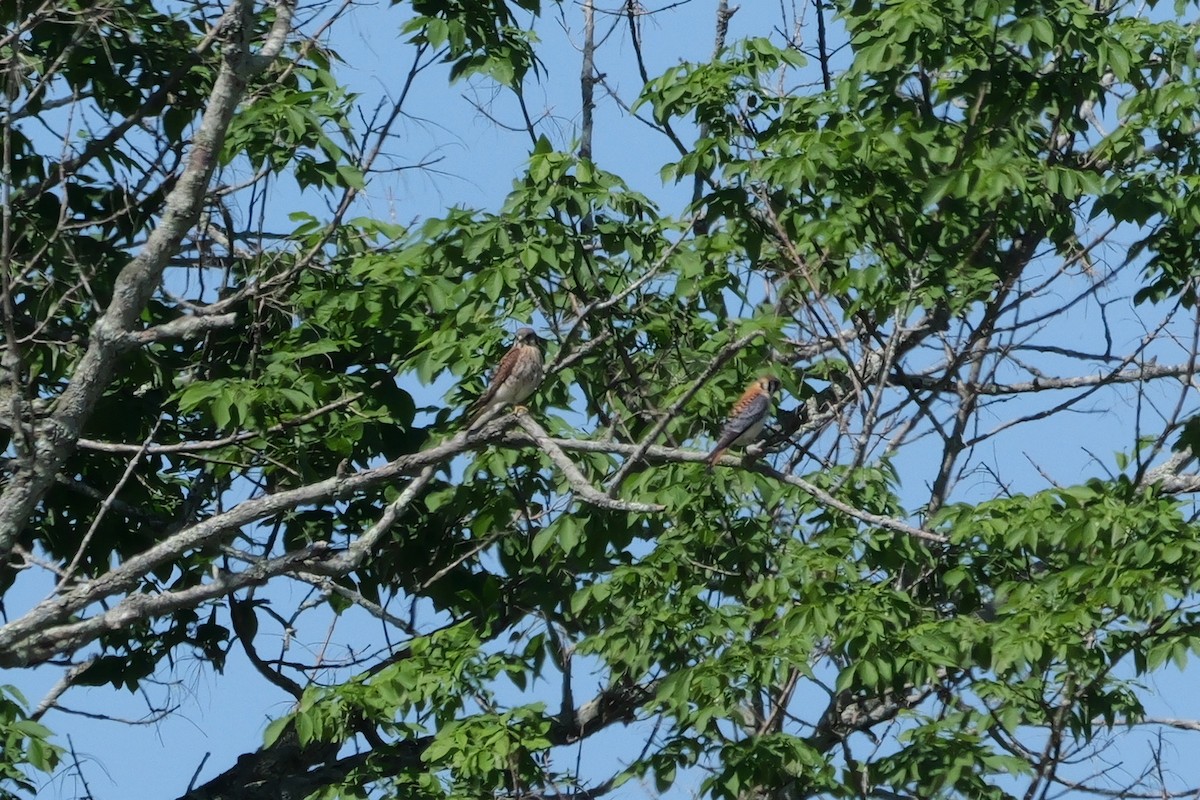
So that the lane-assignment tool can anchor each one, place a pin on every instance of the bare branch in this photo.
(183, 328)
(225, 441)
(579, 484)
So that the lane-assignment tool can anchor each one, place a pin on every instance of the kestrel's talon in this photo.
(519, 409)
(516, 378)
(746, 419)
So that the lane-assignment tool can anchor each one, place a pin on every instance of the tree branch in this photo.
(579, 484)
(184, 328)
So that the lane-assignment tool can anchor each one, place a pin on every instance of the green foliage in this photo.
(479, 38)
(287, 127)
(26, 746)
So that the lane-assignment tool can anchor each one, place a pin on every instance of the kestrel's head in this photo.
(769, 384)
(527, 336)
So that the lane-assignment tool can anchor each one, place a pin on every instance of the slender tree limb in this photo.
(81, 550)
(587, 84)
(64, 683)
(1138, 374)
(579, 483)
(184, 328)
(225, 441)
(680, 455)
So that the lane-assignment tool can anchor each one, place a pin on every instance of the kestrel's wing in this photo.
(748, 411)
(507, 365)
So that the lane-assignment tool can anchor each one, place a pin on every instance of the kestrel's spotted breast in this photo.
(517, 377)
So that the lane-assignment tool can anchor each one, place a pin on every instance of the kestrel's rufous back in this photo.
(747, 418)
(516, 378)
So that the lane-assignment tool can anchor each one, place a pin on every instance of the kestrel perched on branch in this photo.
(746, 419)
(516, 378)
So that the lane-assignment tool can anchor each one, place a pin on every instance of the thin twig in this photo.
(130, 466)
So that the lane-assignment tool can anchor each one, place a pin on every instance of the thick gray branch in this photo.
(1139, 374)
(1167, 475)
(48, 628)
(182, 328)
(41, 632)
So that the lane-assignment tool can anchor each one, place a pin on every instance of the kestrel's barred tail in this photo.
(516, 378)
(746, 419)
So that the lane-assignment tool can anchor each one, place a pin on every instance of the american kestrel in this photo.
(746, 419)
(516, 378)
